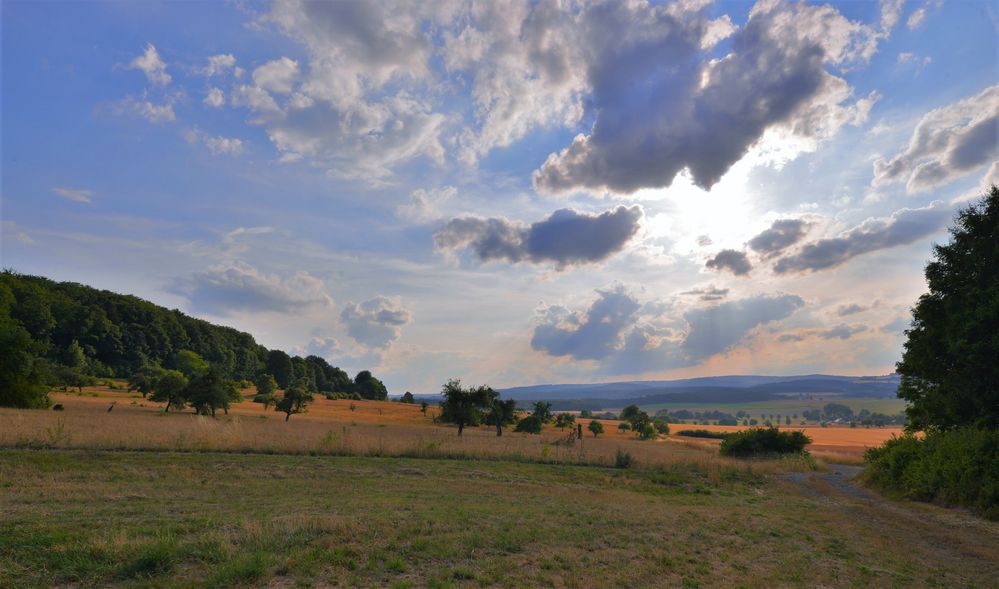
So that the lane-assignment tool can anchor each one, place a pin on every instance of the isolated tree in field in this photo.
(208, 392)
(501, 412)
(624, 426)
(629, 413)
(564, 420)
(370, 387)
(464, 406)
(543, 411)
(170, 388)
(407, 397)
(423, 407)
(531, 425)
(950, 366)
(596, 427)
(295, 400)
(144, 379)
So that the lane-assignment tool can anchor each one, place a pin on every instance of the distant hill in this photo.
(709, 389)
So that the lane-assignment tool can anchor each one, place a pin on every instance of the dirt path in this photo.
(955, 535)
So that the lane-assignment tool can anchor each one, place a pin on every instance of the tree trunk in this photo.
(461, 426)
(287, 416)
(499, 429)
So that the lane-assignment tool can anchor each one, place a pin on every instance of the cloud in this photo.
(218, 64)
(850, 309)
(704, 114)
(151, 65)
(627, 336)
(154, 113)
(734, 261)
(843, 331)
(425, 205)
(567, 237)
(215, 98)
(75, 194)
(324, 347)
(782, 234)
(891, 12)
(948, 143)
(903, 227)
(277, 76)
(916, 19)
(375, 323)
(897, 326)
(592, 335)
(10, 229)
(224, 145)
(791, 337)
(709, 293)
(232, 287)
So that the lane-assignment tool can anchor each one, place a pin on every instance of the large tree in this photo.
(501, 413)
(463, 406)
(22, 373)
(950, 367)
(170, 387)
(295, 400)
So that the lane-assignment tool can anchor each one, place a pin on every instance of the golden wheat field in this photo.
(375, 428)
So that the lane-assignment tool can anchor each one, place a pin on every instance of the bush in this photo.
(623, 459)
(703, 433)
(956, 467)
(58, 407)
(530, 424)
(762, 441)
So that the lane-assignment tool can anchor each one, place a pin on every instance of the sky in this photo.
(509, 193)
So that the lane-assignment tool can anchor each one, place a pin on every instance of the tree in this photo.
(543, 411)
(464, 406)
(208, 392)
(596, 427)
(190, 363)
(661, 426)
(629, 412)
(278, 364)
(949, 369)
(295, 400)
(501, 413)
(144, 379)
(22, 372)
(265, 384)
(586, 414)
(564, 420)
(370, 387)
(407, 397)
(423, 407)
(530, 424)
(624, 426)
(170, 387)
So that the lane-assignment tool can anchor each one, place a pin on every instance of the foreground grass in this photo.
(216, 520)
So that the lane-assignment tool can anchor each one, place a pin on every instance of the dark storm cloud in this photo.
(714, 330)
(782, 234)
(566, 237)
(903, 227)
(734, 261)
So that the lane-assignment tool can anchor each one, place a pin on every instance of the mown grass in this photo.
(97, 519)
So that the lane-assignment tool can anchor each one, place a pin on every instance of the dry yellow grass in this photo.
(371, 428)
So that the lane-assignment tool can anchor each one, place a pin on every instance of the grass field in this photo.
(162, 519)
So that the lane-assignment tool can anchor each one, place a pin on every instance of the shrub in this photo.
(623, 459)
(530, 424)
(58, 407)
(762, 441)
(703, 433)
(955, 467)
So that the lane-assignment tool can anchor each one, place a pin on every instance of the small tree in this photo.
(543, 411)
(501, 413)
(208, 392)
(596, 427)
(530, 424)
(423, 407)
(629, 412)
(464, 406)
(170, 388)
(407, 397)
(266, 384)
(145, 378)
(586, 414)
(295, 400)
(564, 420)
(624, 426)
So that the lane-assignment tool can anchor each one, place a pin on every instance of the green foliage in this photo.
(834, 411)
(763, 441)
(265, 384)
(170, 388)
(543, 411)
(703, 433)
(564, 420)
(22, 373)
(463, 406)
(954, 467)
(501, 413)
(531, 424)
(208, 392)
(370, 387)
(629, 413)
(646, 431)
(586, 414)
(145, 378)
(596, 427)
(269, 399)
(190, 363)
(624, 426)
(662, 426)
(295, 400)
(623, 459)
(949, 369)
(407, 397)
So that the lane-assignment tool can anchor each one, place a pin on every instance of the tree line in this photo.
(67, 334)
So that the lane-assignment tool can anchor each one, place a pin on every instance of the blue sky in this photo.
(510, 193)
